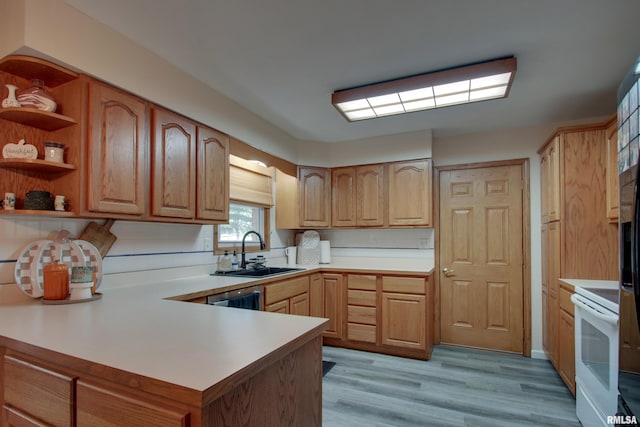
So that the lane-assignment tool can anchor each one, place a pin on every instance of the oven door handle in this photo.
(581, 303)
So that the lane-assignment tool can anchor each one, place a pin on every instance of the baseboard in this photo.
(538, 354)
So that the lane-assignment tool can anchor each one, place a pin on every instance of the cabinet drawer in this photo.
(409, 285)
(565, 292)
(358, 281)
(285, 289)
(365, 333)
(366, 315)
(38, 392)
(366, 298)
(98, 407)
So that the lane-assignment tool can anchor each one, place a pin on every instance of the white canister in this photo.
(58, 203)
(291, 253)
(325, 252)
(9, 202)
(54, 152)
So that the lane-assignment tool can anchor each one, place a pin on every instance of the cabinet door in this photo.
(278, 307)
(410, 193)
(544, 186)
(552, 329)
(553, 263)
(404, 320)
(97, 406)
(213, 175)
(333, 304)
(173, 185)
(287, 205)
(343, 197)
(566, 350)
(553, 180)
(370, 195)
(117, 151)
(316, 296)
(299, 304)
(314, 188)
(37, 392)
(612, 172)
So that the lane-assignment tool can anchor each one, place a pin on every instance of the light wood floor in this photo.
(457, 387)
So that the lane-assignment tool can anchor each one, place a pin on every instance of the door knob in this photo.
(447, 272)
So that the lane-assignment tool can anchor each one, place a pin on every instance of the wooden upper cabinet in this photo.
(550, 160)
(213, 175)
(314, 190)
(117, 151)
(370, 195)
(409, 194)
(287, 201)
(357, 194)
(612, 171)
(173, 165)
(343, 195)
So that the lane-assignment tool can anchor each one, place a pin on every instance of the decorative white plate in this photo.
(30, 264)
(22, 272)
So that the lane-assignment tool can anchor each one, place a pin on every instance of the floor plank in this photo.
(457, 387)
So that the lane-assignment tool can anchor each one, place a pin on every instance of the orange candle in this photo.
(55, 281)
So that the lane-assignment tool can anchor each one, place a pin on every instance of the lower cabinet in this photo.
(362, 308)
(325, 300)
(34, 394)
(332, 286)
(289, 296)
(566, 364)
(37, 395)
(404, 313)
(387, 314)
(403, 320)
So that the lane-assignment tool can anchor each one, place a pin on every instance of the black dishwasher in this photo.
(246, 298)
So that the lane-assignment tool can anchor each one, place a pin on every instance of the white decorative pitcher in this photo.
(11, 101)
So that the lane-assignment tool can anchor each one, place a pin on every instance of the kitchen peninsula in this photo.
(135, 357)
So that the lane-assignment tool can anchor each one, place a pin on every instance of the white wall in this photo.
(51, 28)
(388, 148)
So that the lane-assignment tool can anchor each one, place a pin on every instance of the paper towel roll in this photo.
(325, 252)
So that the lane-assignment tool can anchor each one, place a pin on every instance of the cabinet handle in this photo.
(448, 272)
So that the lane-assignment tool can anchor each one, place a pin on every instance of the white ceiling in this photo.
(282, 59)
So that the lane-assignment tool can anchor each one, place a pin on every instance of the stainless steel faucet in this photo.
(243, 264)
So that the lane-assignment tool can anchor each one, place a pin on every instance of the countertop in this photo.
(138, 328)
(585, 283)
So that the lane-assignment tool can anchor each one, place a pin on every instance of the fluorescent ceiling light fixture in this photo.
(453, 86)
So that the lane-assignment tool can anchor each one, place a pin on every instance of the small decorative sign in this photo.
(21, 150)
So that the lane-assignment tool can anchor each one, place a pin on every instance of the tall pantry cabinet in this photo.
(578, 239)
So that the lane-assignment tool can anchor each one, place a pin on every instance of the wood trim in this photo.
(577, 128)
(526, 243)
(244, 150)
(526, 258)
(436, 249)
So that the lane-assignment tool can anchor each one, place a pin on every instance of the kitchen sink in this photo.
(260, 272)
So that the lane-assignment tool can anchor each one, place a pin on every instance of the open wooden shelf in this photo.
(36, 118)
(43, 212)
(36, 165)
(31, 68)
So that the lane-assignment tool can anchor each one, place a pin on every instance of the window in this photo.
(242, 218)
